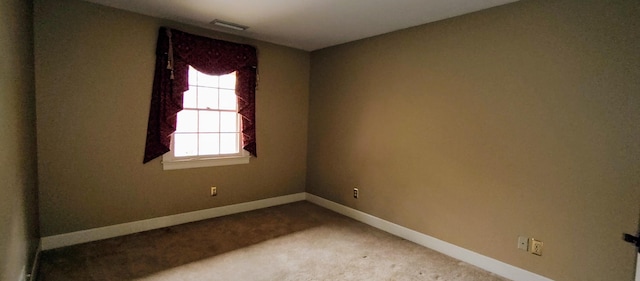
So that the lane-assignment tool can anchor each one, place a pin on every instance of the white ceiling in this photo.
(306, 24)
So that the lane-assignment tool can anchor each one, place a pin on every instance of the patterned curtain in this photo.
(176, 50)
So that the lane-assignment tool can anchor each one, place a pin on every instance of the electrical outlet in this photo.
(523, 243)
(214, 191)
(535, 247)
(356, 193)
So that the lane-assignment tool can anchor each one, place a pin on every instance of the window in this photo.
(208, 129)
(175, 52)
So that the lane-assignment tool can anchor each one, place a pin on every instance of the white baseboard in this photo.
(23, 274)
(473, 258)
(33, 273)
(638, 268)
(83, 236)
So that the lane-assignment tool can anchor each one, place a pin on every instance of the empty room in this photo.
(320, 140)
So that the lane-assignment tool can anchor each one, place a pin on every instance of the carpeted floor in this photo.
(298, 241)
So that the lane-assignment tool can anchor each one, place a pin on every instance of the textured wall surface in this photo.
(94, 71)
(18, 193)
(518, 120)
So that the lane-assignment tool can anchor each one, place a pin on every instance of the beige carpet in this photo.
(298, 241)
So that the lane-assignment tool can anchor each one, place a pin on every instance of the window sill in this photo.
(177, 164)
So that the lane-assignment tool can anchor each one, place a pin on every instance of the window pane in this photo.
(209, 144)
(187, 121)
(193, 76)
(207, 98)
(201, 128)
(228, 122)
(228, 81)
(189, 98)
(229, 143)
(207, 80)
(209, 121)
(228, 99)
(185, 144)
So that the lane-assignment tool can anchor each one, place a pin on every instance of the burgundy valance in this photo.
(175, 51)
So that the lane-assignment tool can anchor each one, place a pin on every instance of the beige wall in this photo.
(519, 120)
(18, 205)
(94, 70)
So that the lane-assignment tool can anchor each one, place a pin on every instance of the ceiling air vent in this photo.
(229, 25)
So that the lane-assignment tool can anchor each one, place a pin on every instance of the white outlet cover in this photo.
(536, 247)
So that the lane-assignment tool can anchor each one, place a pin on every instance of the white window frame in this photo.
(171, 162)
